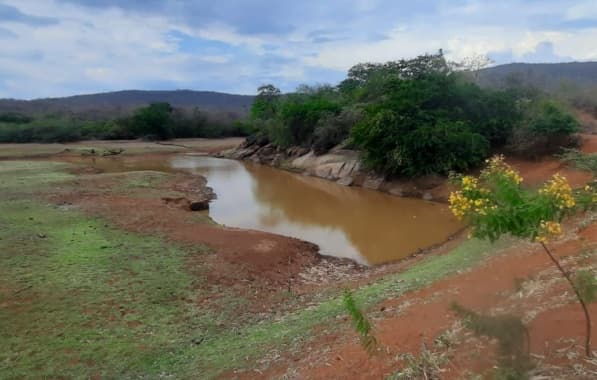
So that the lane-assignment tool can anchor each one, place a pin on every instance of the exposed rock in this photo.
(373, 182)
(243, 153)
(277, 160)
(198, 205)
(397, 191)
(340, 165)
(345, 181)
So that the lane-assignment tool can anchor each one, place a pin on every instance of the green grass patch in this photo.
(28, 176)
(81, 298)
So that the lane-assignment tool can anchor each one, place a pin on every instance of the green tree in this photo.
(264, 105)
(153, 121)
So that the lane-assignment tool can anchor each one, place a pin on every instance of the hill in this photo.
(545, 76)
(97, 106)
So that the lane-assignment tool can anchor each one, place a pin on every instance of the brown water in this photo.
(367, 226)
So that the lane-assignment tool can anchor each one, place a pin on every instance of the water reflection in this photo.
(367, 226)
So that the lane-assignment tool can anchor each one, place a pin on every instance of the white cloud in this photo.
(96, 49)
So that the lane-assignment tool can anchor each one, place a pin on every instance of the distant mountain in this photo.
(123, 102)
(546, 76)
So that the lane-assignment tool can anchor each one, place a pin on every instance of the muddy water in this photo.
(367, 226)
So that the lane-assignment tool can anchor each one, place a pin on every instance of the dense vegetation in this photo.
(155, 121)
(414, 117)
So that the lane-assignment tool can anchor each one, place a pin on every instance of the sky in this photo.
(52, 48)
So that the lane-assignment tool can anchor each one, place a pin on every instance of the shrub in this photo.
(495, 204)
(332, 129)
(433, 123)
(546, 127)
(14, 117)
(393, 145)
(300, 114)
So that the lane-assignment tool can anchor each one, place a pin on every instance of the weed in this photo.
(361, 323)
(427, 365)
(580, 160)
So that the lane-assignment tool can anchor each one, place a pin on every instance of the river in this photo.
(367, 226)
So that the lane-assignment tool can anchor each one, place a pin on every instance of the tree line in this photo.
(157, 121)
(414, 117)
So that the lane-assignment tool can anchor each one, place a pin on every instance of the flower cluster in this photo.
(548, 230)
(471, 200)
(497, 166)
(559, 191)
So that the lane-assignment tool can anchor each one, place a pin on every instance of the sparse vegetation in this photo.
(580, 160)
(427, 365)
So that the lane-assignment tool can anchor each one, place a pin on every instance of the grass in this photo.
(80, 298)
(95, 300)
(580, 160)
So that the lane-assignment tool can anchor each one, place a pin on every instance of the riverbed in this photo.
(364, 225)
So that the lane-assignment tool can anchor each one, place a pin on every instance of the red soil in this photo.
(423, 315)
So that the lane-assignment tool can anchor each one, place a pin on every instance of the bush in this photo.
(432, 124)
(546, 127)
(332, 130)
(45, 130)
(395, 147)
(13, 117)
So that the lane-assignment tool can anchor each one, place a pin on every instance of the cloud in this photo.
(5, 33)
(544, 52)
(63, 47)
(12, 14)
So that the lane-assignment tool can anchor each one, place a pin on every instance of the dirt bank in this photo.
(33, 150)
(344, 167)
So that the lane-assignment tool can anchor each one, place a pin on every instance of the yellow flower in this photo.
(469, 183)
(498, 167)
(560, 191)
(547, 231)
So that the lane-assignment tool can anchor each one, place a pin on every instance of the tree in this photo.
(264, 105)
(495, 204)
(153, 120)
(474, 64)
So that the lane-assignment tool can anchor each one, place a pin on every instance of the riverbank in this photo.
(112, 147)
(344, 167)
(138, 286)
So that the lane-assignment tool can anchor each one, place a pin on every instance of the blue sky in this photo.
(64, 47)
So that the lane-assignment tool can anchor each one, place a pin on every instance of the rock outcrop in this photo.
(340, 165)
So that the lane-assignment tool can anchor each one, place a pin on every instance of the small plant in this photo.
(428, 365)
(361, 323)
(496, 204)
(512, 336)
